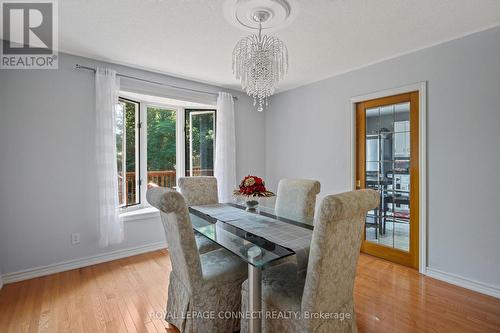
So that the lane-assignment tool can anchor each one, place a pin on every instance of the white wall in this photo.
(307, 135)
(46, 163)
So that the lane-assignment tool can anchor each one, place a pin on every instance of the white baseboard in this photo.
(78, 263)
(463, 282)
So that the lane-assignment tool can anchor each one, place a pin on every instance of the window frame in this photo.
(141, 145)
(138, 181)
(187, 113)
(179, 132)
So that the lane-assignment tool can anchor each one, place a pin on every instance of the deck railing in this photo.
(163, 178)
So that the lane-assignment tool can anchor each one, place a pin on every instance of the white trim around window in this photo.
(179, 159)
(180, 150)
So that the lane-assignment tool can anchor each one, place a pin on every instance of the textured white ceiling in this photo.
(191, 38)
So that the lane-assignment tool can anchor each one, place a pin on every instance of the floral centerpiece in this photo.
(252, 188)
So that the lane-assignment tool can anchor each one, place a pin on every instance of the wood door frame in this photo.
(408, 258)
(421, 87)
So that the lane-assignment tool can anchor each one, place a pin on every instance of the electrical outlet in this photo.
(75, 238)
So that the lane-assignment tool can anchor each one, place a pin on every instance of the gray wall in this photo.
(307, 132)
(46, 163)
(46, 152)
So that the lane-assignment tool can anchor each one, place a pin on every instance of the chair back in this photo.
(297, 197)
(335, 246)
(179, 233)
(199, 190)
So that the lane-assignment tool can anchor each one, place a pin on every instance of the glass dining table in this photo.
(258, 237)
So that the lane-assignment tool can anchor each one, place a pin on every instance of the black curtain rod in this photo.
(153, 82)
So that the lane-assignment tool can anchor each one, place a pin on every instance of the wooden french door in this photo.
(387, 146)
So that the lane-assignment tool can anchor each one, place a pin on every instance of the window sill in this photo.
(140, 214)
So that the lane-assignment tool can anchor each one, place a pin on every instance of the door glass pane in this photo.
(161, 140)
(372, 121)
(387, 171)
(402, 112)
(200, 142)
(387, 118)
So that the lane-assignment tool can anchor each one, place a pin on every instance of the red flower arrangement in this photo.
(253, 186)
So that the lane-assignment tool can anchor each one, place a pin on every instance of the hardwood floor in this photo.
(125, 295)
(394, 298)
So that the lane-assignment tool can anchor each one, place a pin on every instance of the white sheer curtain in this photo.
(106, 92)
(225, 147)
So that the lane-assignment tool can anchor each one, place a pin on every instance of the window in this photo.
(162, 146)
(127, 151)
(200, 142)
(156, 143)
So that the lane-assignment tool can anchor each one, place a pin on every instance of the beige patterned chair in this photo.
(199, 191)
(329, 283)
(297, 197)
(198, 282)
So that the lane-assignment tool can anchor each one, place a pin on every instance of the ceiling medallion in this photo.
(260, 61)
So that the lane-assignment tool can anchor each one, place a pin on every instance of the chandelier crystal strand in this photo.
(260, 63)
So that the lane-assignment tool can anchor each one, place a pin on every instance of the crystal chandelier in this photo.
(260, 62)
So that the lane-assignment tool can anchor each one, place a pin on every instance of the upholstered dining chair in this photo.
(199, 283)
(329, 283)
(297, 197)
(199, 191)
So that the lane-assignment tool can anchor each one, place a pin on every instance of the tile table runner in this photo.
(285, 234)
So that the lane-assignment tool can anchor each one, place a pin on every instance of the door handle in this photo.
(358, 184)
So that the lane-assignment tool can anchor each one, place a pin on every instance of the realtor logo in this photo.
(29, 34)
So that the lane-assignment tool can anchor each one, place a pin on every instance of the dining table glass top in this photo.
(257, 237)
